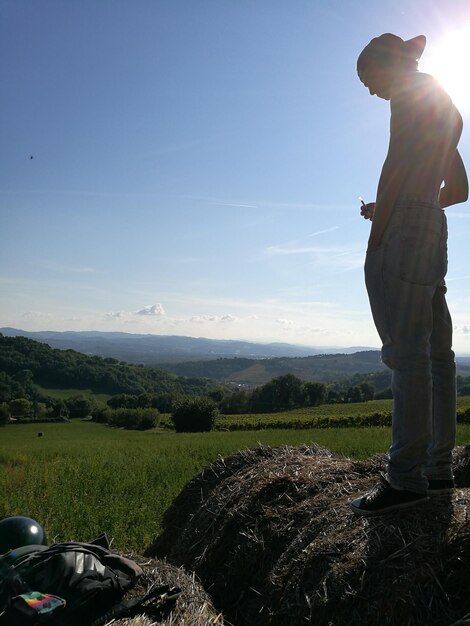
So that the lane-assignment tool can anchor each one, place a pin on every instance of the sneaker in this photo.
(439, 486)
(384, 498)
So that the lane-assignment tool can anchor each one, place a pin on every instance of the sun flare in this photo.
(449, 61)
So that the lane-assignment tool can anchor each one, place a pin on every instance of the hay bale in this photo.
(271, 535)
(192, 608)
(179, 513)
(462, 466)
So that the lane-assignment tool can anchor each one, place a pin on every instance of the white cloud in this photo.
(115, 315)
(61, 268)
(152, 309)
(227, 318)
(233, 204)
(286, 323)
(322, 232)
(35, 315)
(202, 319)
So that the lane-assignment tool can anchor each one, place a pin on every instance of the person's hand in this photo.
(367, 210)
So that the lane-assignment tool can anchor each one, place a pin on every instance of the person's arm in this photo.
(456, 183)
(394, 170)
(391, 180)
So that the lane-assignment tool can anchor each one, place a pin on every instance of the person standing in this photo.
(405, 266)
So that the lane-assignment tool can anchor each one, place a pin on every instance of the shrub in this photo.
(132, 419)
(21, 408)
(148, 419)
(195, 415)
(4, 414)
(123, 401)
(100, 415)
(463, 416)
(79, 406)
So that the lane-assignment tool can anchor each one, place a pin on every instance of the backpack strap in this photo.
(160, 595)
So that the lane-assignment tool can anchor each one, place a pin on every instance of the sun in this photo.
(448, 60)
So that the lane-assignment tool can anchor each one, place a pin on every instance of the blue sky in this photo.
(197, 165)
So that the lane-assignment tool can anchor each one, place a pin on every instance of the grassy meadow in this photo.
(82, 478)
(64, 394)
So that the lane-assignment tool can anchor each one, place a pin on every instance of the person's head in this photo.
(385, 58)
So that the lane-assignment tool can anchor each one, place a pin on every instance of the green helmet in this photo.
(20, 531)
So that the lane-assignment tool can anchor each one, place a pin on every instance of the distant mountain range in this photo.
(234, 362)
(153, 349)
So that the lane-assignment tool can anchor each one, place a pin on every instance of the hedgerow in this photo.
(130, 419)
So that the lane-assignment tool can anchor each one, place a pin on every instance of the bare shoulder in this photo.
(421, 100)
(419, 91)
(423, 118)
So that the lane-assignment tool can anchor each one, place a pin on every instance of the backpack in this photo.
(68, 584)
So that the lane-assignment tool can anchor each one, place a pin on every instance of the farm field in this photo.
(371, 413)
(64, 394)
(82, 478)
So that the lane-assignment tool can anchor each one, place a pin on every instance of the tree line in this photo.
(25, 363)
(24, 360)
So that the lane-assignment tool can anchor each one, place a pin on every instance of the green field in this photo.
(64, 394)
(371, 413)
(81, 478)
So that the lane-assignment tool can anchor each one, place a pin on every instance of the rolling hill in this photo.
(154, 349)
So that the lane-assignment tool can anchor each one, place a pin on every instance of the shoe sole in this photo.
(440, 492)
(389, 509)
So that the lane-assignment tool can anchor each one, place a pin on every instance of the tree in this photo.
(20, 408)
(24, 378)
(279, 394)
(334, 397)
(123, 401)
(4, 414)
(367, 391)
(236, 404)
(39, 409)
(463, 385)
(31, 361)
(315, 394)
(217, 393)
(354, 394)
(385, 394)
(57, 408)
(5, 387)
(79, 406)
(165, 402)
(194, 415)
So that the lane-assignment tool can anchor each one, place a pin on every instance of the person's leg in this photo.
(439, 466)
(402, 313)
(415, 264)
(401, 278)
(408, 355)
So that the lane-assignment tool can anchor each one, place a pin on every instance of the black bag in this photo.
(87, 576)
